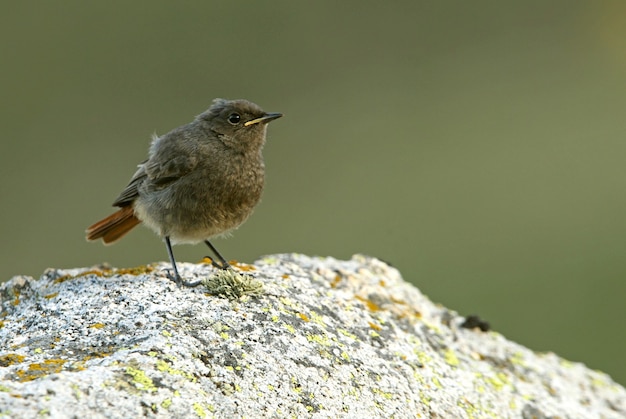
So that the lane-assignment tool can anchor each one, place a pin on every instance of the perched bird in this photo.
(201, 180)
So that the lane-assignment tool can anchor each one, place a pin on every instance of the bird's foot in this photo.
(179, 280)
(223, 265)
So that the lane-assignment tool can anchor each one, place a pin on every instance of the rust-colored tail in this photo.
(113, 227)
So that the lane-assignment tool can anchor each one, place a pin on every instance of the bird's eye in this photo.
(234, 118)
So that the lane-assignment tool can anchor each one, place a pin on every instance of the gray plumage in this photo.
(200, 180)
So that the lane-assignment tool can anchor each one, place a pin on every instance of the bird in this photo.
(201, 180)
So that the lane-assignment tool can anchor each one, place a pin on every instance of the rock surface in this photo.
(320, 338)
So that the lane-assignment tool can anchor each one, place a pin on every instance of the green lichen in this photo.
(76, 391)
(518, 359)
(498, 381)
(140, 379)
(423, 357)
(348, 334)
(287, 302)
(271, 260)
(318, 319)
(385, 394)
(451, 358)
(197, 407)
(320, 339)
(165, 367)
(233, 285)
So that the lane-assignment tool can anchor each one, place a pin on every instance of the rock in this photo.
(296, 337)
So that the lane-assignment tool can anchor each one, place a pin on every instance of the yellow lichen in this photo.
(243, 266)
(108, 272)
(374, 326)
(371, 306)
(11, 359)
(137, 270)
(38, 370)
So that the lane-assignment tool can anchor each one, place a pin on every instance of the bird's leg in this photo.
(223, 264)
(177, 278)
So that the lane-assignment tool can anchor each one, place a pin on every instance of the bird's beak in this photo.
(264, 119)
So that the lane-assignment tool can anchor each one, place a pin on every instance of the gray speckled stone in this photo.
(324, 339)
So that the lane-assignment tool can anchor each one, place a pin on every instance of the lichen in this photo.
(11, 359)
(107, 273)
(233, 285)
(374, 326)
(140, 379)
(451, 358)
(319, 339)
(39, 370)
(197, 407)
(369, 304)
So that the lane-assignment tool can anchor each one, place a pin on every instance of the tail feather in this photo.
(113, 227)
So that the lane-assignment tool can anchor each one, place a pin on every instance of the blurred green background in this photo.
(477, 146)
